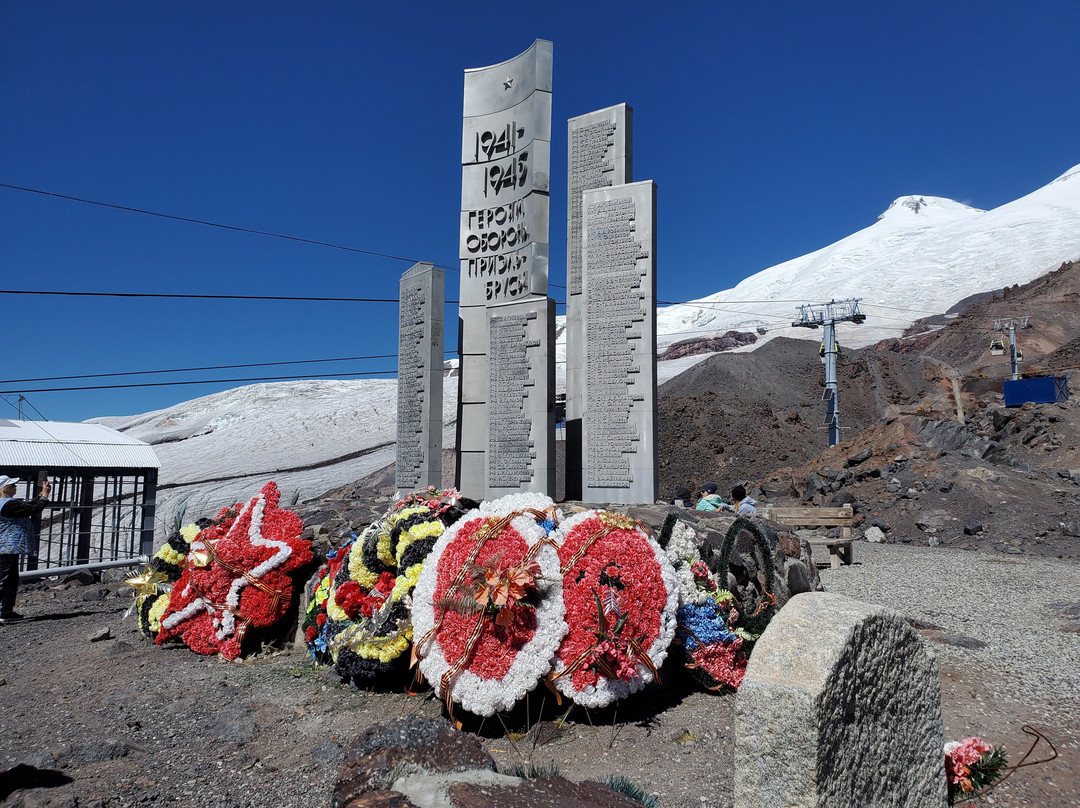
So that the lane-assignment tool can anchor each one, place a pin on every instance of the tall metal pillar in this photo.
(149, 509)
(827, 315)
(1011, 325)
(86, 520)
(832, 408)
(1012, 351)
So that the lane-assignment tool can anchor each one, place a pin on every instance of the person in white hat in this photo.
(16, 538)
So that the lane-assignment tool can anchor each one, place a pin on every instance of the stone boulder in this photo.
(840, 706)
(415, 762)
(746, 576)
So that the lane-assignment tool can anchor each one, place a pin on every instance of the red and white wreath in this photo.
(620, 594)
(487, 608)
(237, 576)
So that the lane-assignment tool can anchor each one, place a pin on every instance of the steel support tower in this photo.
(827, 315)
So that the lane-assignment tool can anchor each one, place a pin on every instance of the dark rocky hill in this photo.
(981, 476)
(737, 417)
(925, 460)
(1052, 304)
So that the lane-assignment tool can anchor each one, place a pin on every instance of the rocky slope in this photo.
(924, 465)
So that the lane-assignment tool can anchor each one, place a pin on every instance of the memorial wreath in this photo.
(359, 618)
(237, 575)
(620, 595)
(715, 650)
(488, 608)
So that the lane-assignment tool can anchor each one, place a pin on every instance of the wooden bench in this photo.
(805, 516)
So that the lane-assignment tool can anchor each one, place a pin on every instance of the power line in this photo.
(720, 304)
(215, 224)
(898, 308)
(206, 367)
(35, 409)
(206, 297)
(200, 381)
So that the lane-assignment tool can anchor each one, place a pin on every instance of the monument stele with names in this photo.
(619, 447)
(503, 249)
(420, 378)
(599, 155)
(521, 444)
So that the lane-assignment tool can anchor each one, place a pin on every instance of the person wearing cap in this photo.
(710, 500)
(16, 539)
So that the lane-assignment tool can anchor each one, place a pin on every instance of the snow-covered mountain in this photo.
(921, 256)
(308, 436)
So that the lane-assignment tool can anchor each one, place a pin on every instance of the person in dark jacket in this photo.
(683, 497)
(16, 539)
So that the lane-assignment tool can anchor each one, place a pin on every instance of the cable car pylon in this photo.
(827, 315)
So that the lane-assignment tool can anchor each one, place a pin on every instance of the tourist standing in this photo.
(16, 539)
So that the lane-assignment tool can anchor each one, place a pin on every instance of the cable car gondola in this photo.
(997, 347)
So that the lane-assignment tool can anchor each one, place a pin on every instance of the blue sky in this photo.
(771, 129)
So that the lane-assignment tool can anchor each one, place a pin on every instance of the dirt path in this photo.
(116, 721)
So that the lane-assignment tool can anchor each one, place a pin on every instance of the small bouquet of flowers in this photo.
(972, 766)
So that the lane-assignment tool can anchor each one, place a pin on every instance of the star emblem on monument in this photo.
(508, 82)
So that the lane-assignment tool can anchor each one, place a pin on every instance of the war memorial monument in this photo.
(506, 431)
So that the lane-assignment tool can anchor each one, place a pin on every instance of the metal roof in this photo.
(59, 444)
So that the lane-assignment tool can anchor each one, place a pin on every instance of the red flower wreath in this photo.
(487, 613)
(620, 595)
(238, 575)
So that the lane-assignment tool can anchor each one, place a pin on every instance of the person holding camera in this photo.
(16, 539)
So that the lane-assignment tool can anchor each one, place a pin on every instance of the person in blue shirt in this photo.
(16, 539)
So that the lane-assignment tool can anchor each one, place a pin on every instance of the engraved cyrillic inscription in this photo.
(615, 313)
(412, 364)
(591, 166)
(509, 451)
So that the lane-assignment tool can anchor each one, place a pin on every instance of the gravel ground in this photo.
(116, 722)
(1004, 632)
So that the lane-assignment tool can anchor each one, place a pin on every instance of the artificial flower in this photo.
(620, 595)
(472, 657)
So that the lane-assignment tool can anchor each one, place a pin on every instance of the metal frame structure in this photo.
(827, 315)
(1010, 324)
(101, 512)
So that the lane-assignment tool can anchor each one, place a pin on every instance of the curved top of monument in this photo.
(506, 84)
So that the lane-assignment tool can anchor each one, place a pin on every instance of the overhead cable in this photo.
(215, 224)
(202, 381)
(206, 367)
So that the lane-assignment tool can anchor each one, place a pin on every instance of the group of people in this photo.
(709, 500)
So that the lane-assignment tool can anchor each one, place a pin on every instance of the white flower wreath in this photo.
(533, 661)
(682, 552)
(606, 690)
